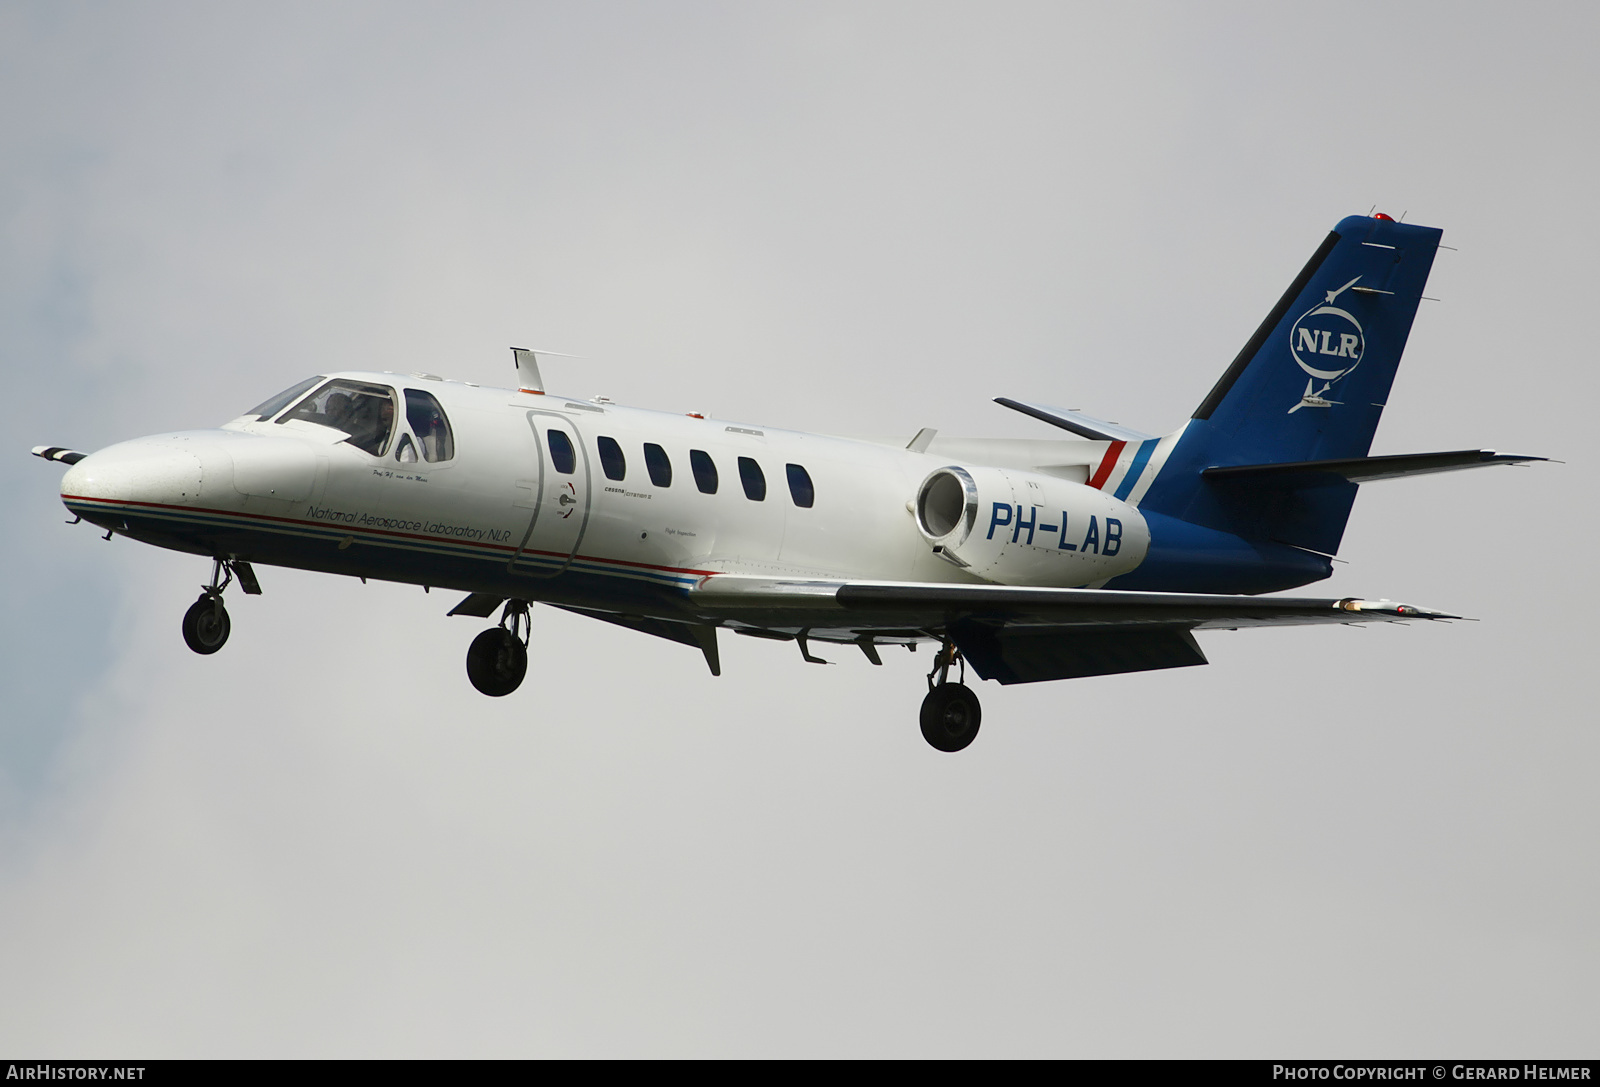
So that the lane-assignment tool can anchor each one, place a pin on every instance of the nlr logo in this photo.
(1327, 341)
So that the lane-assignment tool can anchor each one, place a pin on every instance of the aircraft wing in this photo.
(934, 604)
(1020, 635)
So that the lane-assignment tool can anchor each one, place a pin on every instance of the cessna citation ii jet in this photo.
(1098, 553)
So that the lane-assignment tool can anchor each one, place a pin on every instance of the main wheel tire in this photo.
(950, 717)
(206, 625)
(496, 662)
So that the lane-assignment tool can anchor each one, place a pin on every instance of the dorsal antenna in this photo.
(527, 360)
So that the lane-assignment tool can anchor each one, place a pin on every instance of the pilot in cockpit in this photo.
(370, 422)
(336, 411)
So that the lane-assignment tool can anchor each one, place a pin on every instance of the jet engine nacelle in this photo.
(1023, 528)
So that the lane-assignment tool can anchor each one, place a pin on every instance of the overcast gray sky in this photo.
(855, 218)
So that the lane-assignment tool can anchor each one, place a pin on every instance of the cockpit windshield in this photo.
(363, 411)
(269, 408)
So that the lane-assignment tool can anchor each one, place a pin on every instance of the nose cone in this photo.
(159, 471)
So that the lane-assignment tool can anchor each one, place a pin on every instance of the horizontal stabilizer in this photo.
(1085, 426)
(1366, 469)
(56, 453)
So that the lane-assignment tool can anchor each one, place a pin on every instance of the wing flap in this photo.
(1032, 655)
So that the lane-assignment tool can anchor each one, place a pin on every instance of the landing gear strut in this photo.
(498, 658)
(206, 624)
(950, 713)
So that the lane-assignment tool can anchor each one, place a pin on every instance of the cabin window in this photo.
(272, 407)
(363, 412)
(755, 483)
(705, 470)
(800, 488)
(611, 458)
(429, 424)
(404, 451)
(655, 459)
(563, 458)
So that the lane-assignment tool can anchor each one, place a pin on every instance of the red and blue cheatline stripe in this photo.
(1141, 458)
(1136, 467)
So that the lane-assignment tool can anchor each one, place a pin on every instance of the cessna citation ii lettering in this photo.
(1029, 560)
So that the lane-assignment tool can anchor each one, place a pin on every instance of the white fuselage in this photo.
(505, 513)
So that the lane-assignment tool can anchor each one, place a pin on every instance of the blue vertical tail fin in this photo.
(1310, 385)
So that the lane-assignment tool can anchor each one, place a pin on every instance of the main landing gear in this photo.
(498, 658)
(950, 713)
(206, 624)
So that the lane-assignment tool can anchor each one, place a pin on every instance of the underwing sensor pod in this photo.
(1103, 550)
(1024, 528)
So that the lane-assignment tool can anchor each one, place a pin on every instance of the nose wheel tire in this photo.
(496, 662)
(950, 717)
(206, 625)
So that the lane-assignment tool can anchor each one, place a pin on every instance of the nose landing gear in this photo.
(206, 625)
(498, 658)
(950, 712)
